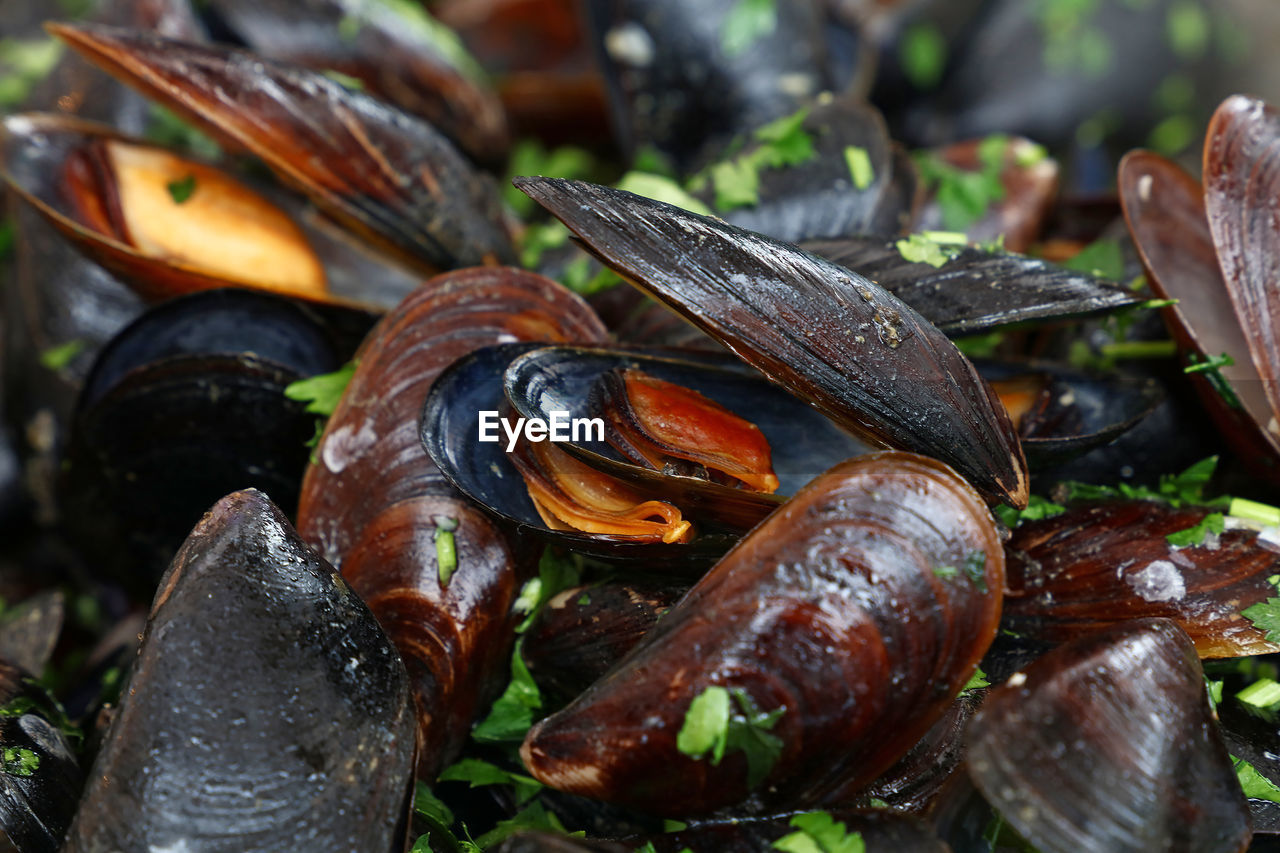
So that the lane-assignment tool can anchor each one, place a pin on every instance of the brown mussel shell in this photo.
(1165, 211)
(373, 501)
(834, 338)
(858, 609)
(1108, 743)
(266, 707)
(392, 179)
(1098, 564)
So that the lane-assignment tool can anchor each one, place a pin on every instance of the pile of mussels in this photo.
(944, 522)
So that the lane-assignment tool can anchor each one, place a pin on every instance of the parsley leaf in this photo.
(975, 569)
(1101, 258)
(534, 816)
(819, 832)
(512, 714)
(56, 358)
(531, 157)
(965, 195)
(23, 64)
(661, 188)
(1254, 784)
(1212, 369)
(782, 142)
(321, 393)
(479, 773)
(182, 189)
(976, 681)
(935, 248)
(747, 22)
(429, 806)
(1037, 508)
(555, 574)
(165, 127)
(19, 761)
(540, 237)
(712, 725)
(1213, 523)
(946, 572)
(1176, 490)
(922, 53)
(860, 169)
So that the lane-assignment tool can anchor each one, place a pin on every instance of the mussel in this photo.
(836, 339)
(868, 597)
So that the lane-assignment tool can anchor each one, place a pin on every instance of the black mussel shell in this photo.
(802, 441)
(266, 708)
(484, 472)
(389, 177)
(1108, 743)
(40, 779)
(1073, 412)
(836, 339)
(976, 290)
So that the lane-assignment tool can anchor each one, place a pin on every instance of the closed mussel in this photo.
(868, 598)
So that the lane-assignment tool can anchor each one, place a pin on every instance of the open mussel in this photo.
(834, 338)
(869, 597)
(568, 382)
(390, 178)
(440, 576)
(1108, 743)
(266, 707)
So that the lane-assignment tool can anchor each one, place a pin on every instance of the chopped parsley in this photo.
(346, 81)
(1265, 616)
(533, 816)
(662, 188)
(1212, 370)
(935, 248)
(747, 22)
(182, 189)
(579, 278)
(712, 725)
(530, 157)
(321, 393)
(1261, 698)
(1037, 508)
(23, 64)
(975, 569)
(512, 714)
(426, 804)
(980, 346)
(446, 547)
(584, 600)
(19, 761)
(1187, 27)
(478, 773)
(946, 572)
(1186, 488)
(555, 575)
(964, 195)
(1071, 43)
(166, 128)
(736, 181)
(1101, 258)
(977, 681)
(540, 237)
(408, 17)
(1211, 524)
(922, 52)
(1254, 784)
(1173, 134)
(860, 169)
(819, 832)
(56, 358)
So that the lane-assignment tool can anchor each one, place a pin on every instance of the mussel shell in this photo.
(1165, 212)
(831, 609)
(266, 707)
(1098, 564)
(1081, 411)
(817, 199)
(582, 632)
(36, 805)
(483, 471)
(803, 443)
(977, 290)
(1108, 743)
(673, 86)
(391, 56)
(33, 151)
(387, 176)
(832, 337)
(1240, 188)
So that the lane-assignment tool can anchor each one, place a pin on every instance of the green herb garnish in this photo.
(446, 547)
(922, 53)
(1265, 615)
(860, 169)
(963, 195)
(346, 81)
(935, 248)
(819, 832)
(56, 358)
(712, 725)
(1254, 784)
(166, 128)
(182, 189)
(533, 817)
(478, 773)
(6, 238)
(977, 681)
(1212, 369)
(409, 18)
(19, 761)
(946, 572)
(1253, 511)
(555, 575)
(662, 188)
(1037, 508)
(512, 714)
(530, 157)
(321, 393)
(1187, 27)
(1101, 258)
(975, 569)
(747, 22)
(23, 64)
(1176, 490)
(1213, 523)
(782, 142)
